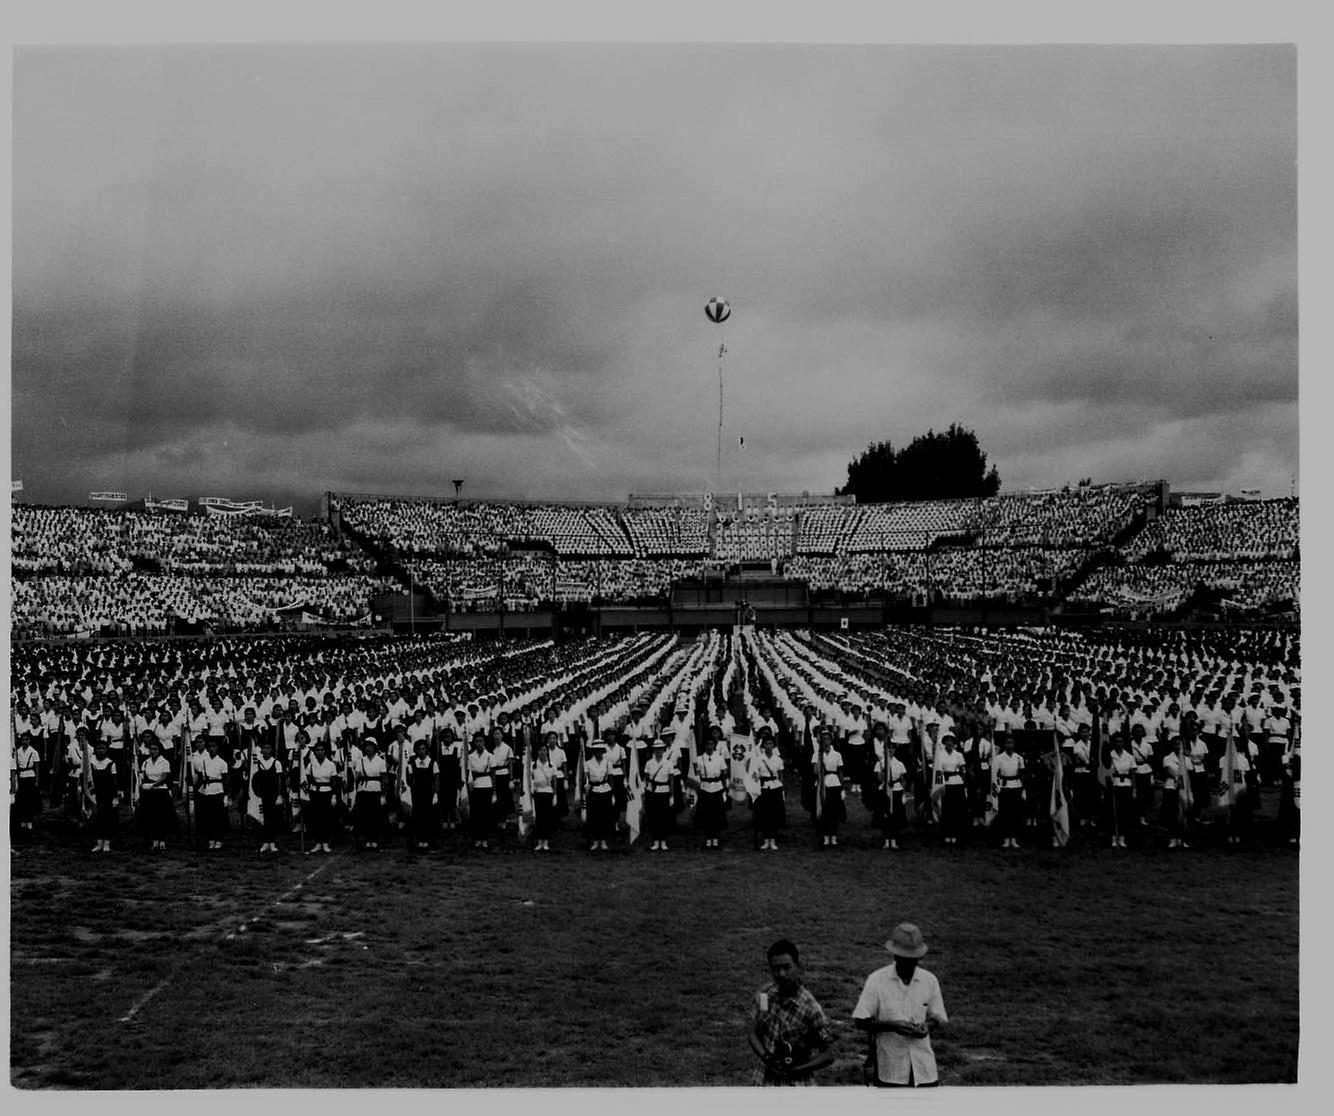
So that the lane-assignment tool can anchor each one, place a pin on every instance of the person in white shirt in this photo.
(1008, 774)
(1276, 732)
(369, 777)
(899, 1006)
(1176, 776)
(480, 790)
(954, 797)
(601, 801)
(766, 769)
(211, 806)
(157, 812)
(544, 778)
(711, 770)
(1124, 815)
(892, 776)
(829, 770)
(321, 783)
(658, 775)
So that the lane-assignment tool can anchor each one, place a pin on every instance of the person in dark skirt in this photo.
(954, 798)
(829, 770)
(370, 774)
(157, 810)
(266, 786)
(601, 800)
(451, 750)
(106, 794)
(1124, 816)
(711, 775)
(321, 784)
(481, 789)
(1243, 798)
(1141, 748)
(422, 771)
(1176, 774)
(891, 775)
(27, 784)
(659, 773)
(766, 771)
(1290, 798)
(1008, 772)
(211, 802)
(545, 806)
(502, 760)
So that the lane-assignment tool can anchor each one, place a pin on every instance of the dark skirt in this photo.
(449, 793)
(954, 811)
(833, 813)
(1085, 793)
(211, 811)
(368, 816)
(767, 813)
(1124, 815)
(892, 818)
(157, 814)
(480, 801)
(27, 800)
(423, 822)
(1170, 813)
(1144, 794)
(1199, 791)
(602, 816)
(659, 817)
(319, 815)
(106, 820)
(1010, 811)
(545, 815)
(502, 799)
(271, 817)
(710, 814)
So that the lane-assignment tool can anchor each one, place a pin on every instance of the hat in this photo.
(658, 742)
(596, 744)
(906, 941)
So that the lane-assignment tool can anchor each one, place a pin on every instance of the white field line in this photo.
(143, 1000)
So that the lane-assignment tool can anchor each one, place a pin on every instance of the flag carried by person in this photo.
(1060, 808)
(577, 796)
(634, 797)
(527, 809)
(402, 785)
(1233, 786)
(462, 805)
(937, 775)
(1185, 796)
(87, 799)
(254, 808)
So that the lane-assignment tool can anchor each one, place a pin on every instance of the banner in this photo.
(173, 504)
(109, 497)
(16, 486)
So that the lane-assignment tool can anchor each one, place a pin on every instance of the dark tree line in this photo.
(945, 466)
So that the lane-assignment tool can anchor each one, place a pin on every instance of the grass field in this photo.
(1083, 965)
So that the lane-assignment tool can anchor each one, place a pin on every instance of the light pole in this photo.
(457, 485)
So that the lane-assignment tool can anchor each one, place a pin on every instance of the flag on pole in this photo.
(577, 795)
(937, 775)
(254, 808)
(463, 810)
(401, 782)
(634, 799)
(1185, 796)
(527, 809)
(1233, 780)
(1060, 809)
(87, 799)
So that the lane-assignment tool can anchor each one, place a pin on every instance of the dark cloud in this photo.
(314, 267)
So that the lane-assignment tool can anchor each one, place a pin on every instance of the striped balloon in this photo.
(718, 310)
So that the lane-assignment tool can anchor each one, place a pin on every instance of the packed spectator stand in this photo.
(130, 572)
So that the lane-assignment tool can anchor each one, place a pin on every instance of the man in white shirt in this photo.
(899, 1005)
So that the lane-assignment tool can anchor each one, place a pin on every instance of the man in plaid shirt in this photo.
(789, 1033)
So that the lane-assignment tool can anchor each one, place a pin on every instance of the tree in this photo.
(945, 466)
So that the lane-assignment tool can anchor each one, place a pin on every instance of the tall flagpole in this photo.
(718, 470)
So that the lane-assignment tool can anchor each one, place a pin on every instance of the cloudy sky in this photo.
(266, 271)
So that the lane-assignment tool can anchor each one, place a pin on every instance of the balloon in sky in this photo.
(718, 310)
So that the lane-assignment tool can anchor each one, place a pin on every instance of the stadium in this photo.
(556, 680)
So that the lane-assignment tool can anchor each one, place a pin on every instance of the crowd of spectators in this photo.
(664, 532)
(70, 540)
(473, 529)
(1246, 529)
(155, 604)
(948, 573)
(1066, 518)
(1166, 587)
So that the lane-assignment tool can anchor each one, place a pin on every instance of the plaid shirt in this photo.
(798, 1021)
